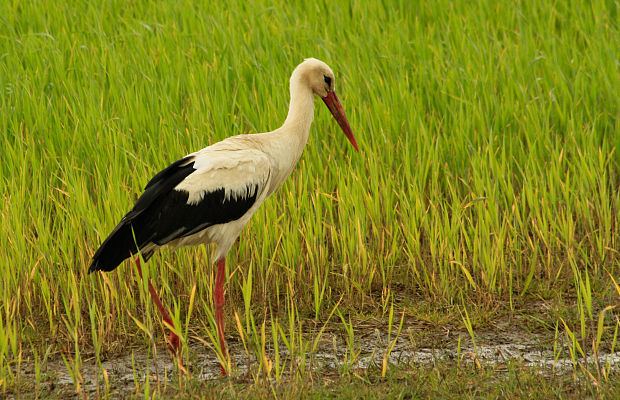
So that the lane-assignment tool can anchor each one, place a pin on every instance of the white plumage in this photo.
(241, 171)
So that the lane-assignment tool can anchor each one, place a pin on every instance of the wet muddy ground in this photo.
(506, 342)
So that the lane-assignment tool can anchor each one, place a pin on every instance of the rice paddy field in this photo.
(481, 211)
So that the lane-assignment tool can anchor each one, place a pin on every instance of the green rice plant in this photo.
(213, 343)
(352, 353)
(584, 298)
(391, 342)
(602, 371)
(8, 347)
(470, 329)
(74, 367)
(96, 344)
(614, 342)
(488, 171)
(574, 348)
(278, 364)
(459, 356)
(293, 339)
(318, 287)
(557, 348)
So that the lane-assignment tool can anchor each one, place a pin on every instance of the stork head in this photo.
(320, 79)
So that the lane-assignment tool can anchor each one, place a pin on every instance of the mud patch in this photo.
(415, 345)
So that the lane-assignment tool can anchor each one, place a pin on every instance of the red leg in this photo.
(218, 295)
(175, 343)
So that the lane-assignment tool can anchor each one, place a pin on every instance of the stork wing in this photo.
(209, 187)
(224, 186)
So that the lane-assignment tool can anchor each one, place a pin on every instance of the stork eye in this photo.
(328, 80)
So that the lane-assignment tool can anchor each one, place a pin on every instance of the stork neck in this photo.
(300, 110)
(287, 143)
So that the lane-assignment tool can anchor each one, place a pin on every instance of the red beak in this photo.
(332, 102)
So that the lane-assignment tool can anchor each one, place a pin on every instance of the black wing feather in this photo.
(162, 214)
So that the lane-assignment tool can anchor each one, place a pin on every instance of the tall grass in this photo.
(488, 165)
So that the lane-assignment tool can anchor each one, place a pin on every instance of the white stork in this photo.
(209, 196)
